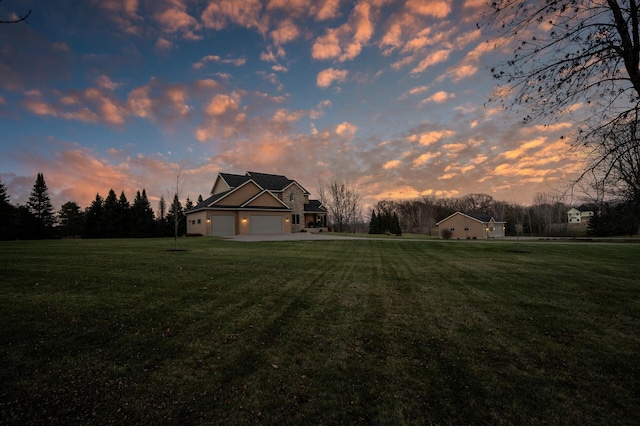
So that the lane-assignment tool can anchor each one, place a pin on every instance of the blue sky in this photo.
(389, 96)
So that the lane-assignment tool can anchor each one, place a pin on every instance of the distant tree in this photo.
(142, 218)
(200, 200)
(162, 208)
(94, 219)
(572, 58)
(175, 218)
(373, 223)
(40, 206)
(124, 215)
(394, 226)
(27, 225)
(7, 216)
(188, 205)
(343, 203)
(111, 216)
(71, 220)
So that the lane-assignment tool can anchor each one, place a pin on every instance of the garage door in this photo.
(266, 224)
(222, 225)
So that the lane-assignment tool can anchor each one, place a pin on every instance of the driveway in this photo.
(294, 236)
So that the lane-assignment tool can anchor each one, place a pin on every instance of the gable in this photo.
(240, 195)
(265, 199)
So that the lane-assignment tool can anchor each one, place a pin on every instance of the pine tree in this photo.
(124, 215)
(40, 206)
(142, 218)
(373, 223)
(395, 225)
(189, 205)
(71, 220)
(94, 219)
(110, 215)
(7, 216)
(200, 200)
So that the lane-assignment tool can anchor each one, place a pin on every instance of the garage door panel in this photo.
(222, 225)
(266, 224)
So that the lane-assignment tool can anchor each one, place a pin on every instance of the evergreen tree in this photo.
(175, 217)
(142, 218)
(94, 220)
(40, 206)
(189, 205)
(162, 209)
(7, 216)
(200, 199)
(110, 216)
(373, 223)
(71, 220)
(394, 226)
(124, 215)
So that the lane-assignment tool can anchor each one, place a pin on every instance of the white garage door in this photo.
(266, 224)
(222, 225)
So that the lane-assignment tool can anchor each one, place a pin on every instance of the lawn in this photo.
(389, 331)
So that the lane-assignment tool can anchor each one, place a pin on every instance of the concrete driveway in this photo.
(294, 236)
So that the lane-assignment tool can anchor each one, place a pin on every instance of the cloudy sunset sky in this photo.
(388, 95)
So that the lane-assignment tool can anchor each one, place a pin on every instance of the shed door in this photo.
(222, 225)
(266, 224)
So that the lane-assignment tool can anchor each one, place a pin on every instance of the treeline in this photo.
(546, 216)
(110, 217)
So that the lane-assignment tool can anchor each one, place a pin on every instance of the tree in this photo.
(199, 199)
(343, 203)
(40, 206)
(162, 208)
(111, 216)
(188, 205)
(18, 19)
(142, 218)
(94, 220)
(572, 54)
(7, 216)
(175, 218)
(124, 215)
(71, 220)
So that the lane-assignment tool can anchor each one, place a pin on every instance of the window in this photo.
(452, 229)
(293, 197)
(295, 219)
(466, 229)
(199, 221)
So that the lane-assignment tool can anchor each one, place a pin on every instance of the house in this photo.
(471, 225)
(579, 216)
(256, 203)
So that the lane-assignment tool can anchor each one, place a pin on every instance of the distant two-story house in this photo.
(256, 203)
(471, 226)
(579, 216)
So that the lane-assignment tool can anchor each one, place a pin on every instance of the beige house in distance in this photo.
(471, 226)
(576, 216)
(256, 203)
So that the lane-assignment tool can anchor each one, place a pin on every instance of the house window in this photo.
(295, 219)
(293, 197)
(466, 229)
(199, 221)
(452, 229)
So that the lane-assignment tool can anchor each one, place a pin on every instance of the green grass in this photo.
(390, 331)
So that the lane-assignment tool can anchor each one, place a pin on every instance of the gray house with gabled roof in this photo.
(256, 203)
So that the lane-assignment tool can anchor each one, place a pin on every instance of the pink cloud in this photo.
(327, 77)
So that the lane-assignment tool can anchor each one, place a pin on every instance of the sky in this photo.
(388, 96)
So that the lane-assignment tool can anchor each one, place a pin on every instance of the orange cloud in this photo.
(247, 13)
(346, 42)
(327, 77)
(431, 59)
(439, 97)
(432, 8)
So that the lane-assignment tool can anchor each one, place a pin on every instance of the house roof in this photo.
(314, 206)
(478, 217)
